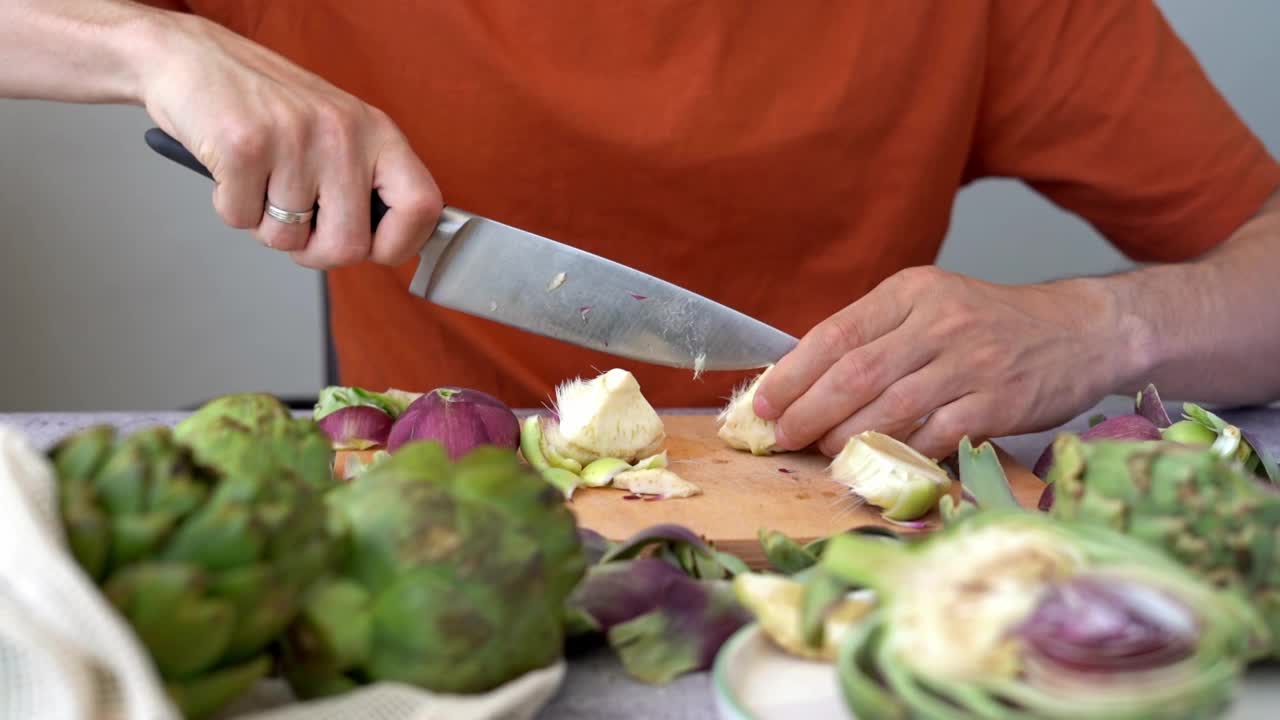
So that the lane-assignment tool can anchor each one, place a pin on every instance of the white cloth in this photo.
(65, 654)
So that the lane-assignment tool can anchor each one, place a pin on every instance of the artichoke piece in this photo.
(606, 416)
(1010, 614)
(208, 564)
(740, 427)
(890, 475)
(455, 580)
(1189, 502)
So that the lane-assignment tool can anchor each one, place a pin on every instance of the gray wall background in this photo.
(120, 289)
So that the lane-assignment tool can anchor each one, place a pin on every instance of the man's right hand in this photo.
(270, 131)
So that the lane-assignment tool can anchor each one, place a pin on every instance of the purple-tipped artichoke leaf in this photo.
(864, 560)
(613, 593)
(784, 554)
(664, 534)
(1264, 457)
(732, 564)
(682, 634)
(1148, 405)
(1205, 418)
(594, 545)
(1045, 503)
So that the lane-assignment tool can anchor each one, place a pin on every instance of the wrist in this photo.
(1123, 322)
(137, 43)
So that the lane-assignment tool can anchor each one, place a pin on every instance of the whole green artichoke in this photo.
(1206, 511)
(456, 577)
(1005, 614)
(288, 444)
(208, 564)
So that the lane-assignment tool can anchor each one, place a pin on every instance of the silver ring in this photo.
(289, 217)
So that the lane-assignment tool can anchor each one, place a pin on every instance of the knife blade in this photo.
(485, 268)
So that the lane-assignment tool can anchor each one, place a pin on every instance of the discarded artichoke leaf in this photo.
(1148, 404)
(776, 602)
(682, 633)
(560, 453)
(681, 547)
(660, 482)
(982, 476)
(784, 554)
(531, 442)
(562, 480)
(1230, 441)
(652, 462)
(600, 473)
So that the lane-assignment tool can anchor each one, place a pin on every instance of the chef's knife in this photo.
(485, 268)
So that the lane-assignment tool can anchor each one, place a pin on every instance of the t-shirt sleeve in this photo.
(1103, 109)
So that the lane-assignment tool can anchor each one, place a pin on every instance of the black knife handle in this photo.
(163, 143)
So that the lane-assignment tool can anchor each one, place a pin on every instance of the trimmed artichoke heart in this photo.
(891, 475)
(954, 617)
(606, 416)
(741, 428)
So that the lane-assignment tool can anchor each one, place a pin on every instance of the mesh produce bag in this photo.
(65, 654)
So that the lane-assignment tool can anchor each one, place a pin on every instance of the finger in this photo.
(898, 409)
(873, 315)
(342, 232)
(238, 196)
(291, 187)
(852, 382)
(414, 204)
(940, 435)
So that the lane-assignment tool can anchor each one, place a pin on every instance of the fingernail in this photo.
(762, 408)
(780, 438)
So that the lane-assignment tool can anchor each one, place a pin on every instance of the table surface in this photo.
(597, 688)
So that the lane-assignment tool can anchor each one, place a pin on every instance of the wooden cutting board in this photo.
(742, 494)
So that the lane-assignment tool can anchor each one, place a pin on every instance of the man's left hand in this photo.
(930, 356)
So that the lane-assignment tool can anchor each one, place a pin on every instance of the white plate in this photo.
(754, 679)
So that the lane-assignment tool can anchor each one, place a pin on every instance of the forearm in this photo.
(1207, 330)
(89, 51)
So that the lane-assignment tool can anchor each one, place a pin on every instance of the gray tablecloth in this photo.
(596, 688)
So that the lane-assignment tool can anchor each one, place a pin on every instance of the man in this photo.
(796, 161)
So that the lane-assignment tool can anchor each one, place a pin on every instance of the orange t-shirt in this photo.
(779, 157)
